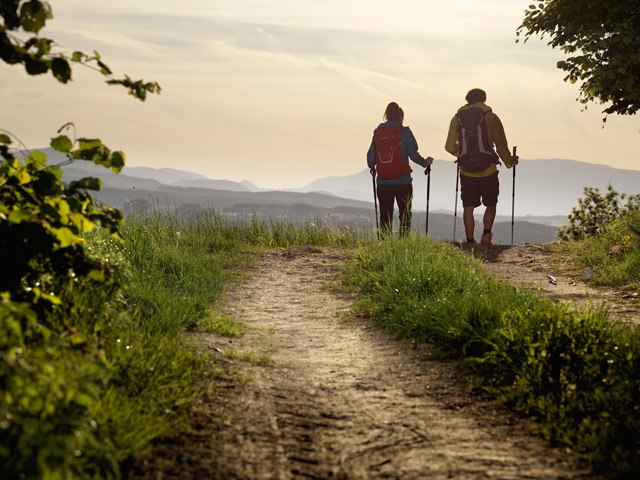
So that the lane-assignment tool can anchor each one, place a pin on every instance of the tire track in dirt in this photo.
(341, 399)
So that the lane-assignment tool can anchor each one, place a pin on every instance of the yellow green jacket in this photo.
(495, 132)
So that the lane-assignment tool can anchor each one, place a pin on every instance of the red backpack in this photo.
(389, 162)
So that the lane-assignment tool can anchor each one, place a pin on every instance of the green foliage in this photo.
(65, 410)
(602, 41)
(42, 223)
(613, 253)
(573, 369)
(596, 211)
(20, 43)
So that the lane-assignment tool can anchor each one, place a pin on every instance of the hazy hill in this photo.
(546, 190)
(543, 187)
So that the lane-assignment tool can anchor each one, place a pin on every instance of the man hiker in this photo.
(475, 135)
(388, 158)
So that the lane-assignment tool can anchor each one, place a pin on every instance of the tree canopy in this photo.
(42, 219)
(20, 43)
(602, 41)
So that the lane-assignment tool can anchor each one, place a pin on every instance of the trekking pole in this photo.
(427, 172)
(455, 209)
(513, 195)
(375, 199)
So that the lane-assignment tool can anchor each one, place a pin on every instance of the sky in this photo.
(283, 92)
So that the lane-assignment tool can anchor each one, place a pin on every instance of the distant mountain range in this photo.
(542, 187)
(546, 191)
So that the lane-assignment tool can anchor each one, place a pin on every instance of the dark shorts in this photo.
(474, 189)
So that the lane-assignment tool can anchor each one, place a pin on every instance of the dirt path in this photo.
(341, 399)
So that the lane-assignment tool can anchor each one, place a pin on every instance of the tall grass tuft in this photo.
(573, 369)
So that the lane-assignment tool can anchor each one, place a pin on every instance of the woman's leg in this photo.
(404, 195)
(385, 199)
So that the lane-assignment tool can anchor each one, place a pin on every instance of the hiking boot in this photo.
(486, 239)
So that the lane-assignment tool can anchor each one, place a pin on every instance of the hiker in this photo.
(473, 133)
(388, 159)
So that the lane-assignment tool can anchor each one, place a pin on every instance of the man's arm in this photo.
(495, 130)
(451, 145)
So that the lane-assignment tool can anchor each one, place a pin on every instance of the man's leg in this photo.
(386, 199)
(490, 191)
(469, 223)
(489, 217)
(487, 221)
(404, 193)
(470, 194)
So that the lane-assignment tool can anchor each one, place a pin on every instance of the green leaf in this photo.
(62, 144)
(65, 237)
(81, 222)
(97, 275)
(78, 57)
(37, 158)
(33, 15)
(19, 216)
(88, 143)
(50, 298)
(78, 340)
(35, 67)
(61, 69)
(104, 69)
(56, 172)
(117, 161)
(5, 139)
(23, 176)
(88, 183)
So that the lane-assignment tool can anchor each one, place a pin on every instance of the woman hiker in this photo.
(388, 158)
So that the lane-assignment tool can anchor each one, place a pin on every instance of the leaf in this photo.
(5, 139)
(81, 222)
(78, 340)
(88, 183)
(104, 69)
(57, 172)
(97, 275)
(78, 57)
(23, 176)
(37, 158)
(88, 143)
(117, 161)
(61, 69)
(33, 15)
(19, 216)
(35, 67)
(62, 144)
(65, 237)
(60, 205)
(51, 298)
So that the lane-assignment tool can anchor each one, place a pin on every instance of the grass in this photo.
(573, 369)
(117, 370)
(613, 254)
